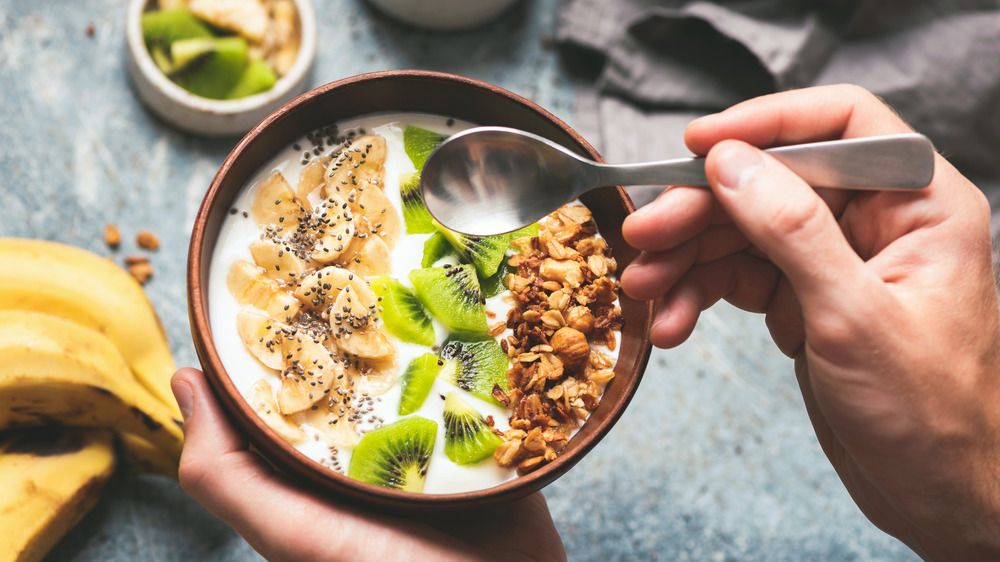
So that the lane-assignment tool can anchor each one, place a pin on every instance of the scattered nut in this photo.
(112, 236)
(142, 271)
(147, 240)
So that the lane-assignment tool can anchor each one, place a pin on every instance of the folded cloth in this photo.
(937, 62)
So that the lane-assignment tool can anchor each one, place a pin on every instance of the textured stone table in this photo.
(714, 460)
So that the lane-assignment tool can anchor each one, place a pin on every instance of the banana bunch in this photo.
(84, 386)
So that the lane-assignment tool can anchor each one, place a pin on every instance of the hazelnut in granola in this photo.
(563, 306)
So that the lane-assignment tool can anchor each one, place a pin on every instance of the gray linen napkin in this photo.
(937, 62)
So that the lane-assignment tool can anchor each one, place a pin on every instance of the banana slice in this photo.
(275, 204)
(250, 287)
(374, 376)
(278, 260)
(356, 326)
(333, 222)
(246, 17)
(310, 372)
(262, 337)
(368, 257)
(286, 28)
(312, 177)
(318, 290)
(361, 163)
(261, 399)
(333, 419)
(375, 215)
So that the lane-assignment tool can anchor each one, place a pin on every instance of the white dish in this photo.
(444, 15)
(207, 117)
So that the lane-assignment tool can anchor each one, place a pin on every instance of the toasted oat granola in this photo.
(563, 301)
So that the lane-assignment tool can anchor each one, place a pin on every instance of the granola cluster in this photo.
(563, 301)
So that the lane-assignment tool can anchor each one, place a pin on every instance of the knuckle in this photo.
(860, 93)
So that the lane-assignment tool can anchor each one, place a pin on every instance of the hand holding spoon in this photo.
(492, 180)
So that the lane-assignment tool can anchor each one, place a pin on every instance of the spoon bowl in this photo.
(492, 180)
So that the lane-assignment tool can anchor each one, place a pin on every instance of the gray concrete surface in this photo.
(714, 460)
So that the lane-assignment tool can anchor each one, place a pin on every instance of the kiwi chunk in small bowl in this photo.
(212, 71)
(388, 465)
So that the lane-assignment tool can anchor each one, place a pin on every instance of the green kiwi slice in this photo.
(475, 364)
(484, 252)
(258, 77)
(209, 67)
(468, 439)
(493, 285)
(418, 220)
(435, 248)
(160, 28)
(395, 456)
(418, 144)
(529, 231)
(451, 293)
(416, 382)
(402, 313)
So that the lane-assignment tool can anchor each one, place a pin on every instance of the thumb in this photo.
(787, 220)
(217, 468)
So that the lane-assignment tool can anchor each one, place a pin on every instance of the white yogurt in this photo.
(238, 232)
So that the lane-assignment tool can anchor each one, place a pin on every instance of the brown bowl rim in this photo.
(295, 463)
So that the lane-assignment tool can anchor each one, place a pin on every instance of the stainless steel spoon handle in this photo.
(904, 161)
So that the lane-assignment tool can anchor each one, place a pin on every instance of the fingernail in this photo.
(735, 162)
(184, 396)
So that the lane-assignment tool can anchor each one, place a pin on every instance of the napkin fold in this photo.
(937, 62)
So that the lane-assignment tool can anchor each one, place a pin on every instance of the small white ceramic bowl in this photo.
(444, 15)
(207, 117)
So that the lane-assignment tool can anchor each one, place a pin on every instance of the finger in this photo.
(676, 216)
(798, 116)
(741, 279)
(783, 318)
(791, 224)
(651, 275)
(210, 430)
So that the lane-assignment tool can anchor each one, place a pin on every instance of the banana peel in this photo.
(52, 478)
(92, 291)
(138, 456)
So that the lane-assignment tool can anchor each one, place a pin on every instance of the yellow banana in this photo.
(83, 287)
(139, 456)
(52, 477)
(54, 371)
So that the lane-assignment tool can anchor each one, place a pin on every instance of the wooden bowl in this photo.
(419, 92)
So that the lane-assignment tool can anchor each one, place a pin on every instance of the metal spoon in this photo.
(492, 180)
